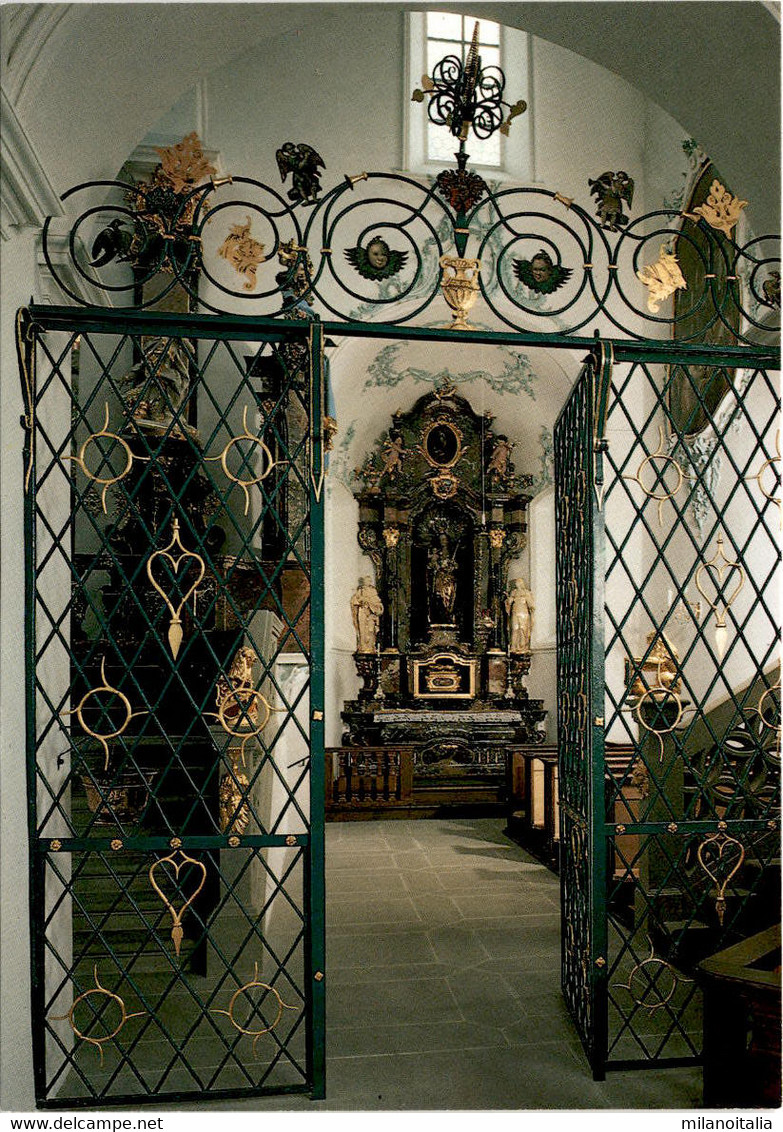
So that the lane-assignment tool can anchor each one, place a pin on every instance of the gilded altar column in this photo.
(390, 657)
(497, 660)
(497, 538)
(403, 560)
(391, 537)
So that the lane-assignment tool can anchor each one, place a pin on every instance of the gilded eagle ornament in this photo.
(541, 274)
(303, 162)
(376, 260)
(610, 190)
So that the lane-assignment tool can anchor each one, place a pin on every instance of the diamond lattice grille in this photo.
(174, 515)
(687, 562)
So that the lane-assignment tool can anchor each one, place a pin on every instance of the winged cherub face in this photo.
(541, 268)
(378, 253)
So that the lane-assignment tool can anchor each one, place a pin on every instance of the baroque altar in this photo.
(442, 635)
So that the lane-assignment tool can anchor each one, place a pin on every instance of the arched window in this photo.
(431, 37)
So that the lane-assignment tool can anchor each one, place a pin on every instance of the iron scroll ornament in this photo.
(508, 226)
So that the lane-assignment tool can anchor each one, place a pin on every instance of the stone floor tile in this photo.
(457, 946)
(525, 937)
(419, 1037)
(436, 909)
(422, 880)
(378, 882)
(381, 1003)
(362, 912)
(373, 949)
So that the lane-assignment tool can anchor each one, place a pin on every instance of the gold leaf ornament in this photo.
(106, 481)
(721, 209)
(185, 165)
(243, 252)
(255, 983)
(662, 279)
(104, 736)
(716, 859)
(267, 461)
(718, 567)
(460, 288)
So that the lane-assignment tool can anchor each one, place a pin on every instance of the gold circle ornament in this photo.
(106, 481)
(104, 736)
(101, 992)
(267, 459)
(254, 983)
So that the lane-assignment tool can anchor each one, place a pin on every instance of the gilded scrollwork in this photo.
(718, 567)
(652, 983)
(93, 438)
(243, 252)
(234, 812)
(185, 164)
(759, 476)
(710, 855)
(175, 632)
(177, 914)
(666, 460)
(662, 279)
(103, 737)
(369, 542)
(657, 703)
(721, 210)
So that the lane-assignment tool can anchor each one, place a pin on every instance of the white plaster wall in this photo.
(19, 273)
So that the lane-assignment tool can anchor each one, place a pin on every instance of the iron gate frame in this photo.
(31, 323)
(585, 975)
(601, 354)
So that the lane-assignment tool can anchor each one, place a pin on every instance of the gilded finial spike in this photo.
(175, 637)
(177, 933)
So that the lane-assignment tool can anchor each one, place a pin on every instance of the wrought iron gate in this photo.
(175, 691)
(173, 476)
(667, 486)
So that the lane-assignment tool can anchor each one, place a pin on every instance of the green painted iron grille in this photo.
(668, 526)
(174, 707)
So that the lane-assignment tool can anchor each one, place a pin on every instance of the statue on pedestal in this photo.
(366, 610)
(442, 568)
(519, 609)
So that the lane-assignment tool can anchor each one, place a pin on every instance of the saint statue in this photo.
(443, 582)
(366, 610)
(497, 467)
(519, 608)
(156, 387)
